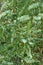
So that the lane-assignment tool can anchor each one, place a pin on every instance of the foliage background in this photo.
(21, 32)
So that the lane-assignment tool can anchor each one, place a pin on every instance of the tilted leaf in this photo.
(23, 18)
(4, 13)
(34, 5)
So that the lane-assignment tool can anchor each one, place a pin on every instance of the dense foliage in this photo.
(21, 32)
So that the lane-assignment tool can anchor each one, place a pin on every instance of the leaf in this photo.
(38, 18)
(41, 15)
(31, 43)
(28, 60)
(24, 40)
(34, 5)
(23, 18)
(4, 13)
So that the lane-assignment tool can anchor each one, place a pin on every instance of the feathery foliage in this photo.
(21, 32)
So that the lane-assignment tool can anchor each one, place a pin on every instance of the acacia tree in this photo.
(21, 32)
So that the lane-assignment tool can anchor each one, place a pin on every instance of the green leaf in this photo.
(23, 18)
(28, 60)
(4, 13)
(34, 5)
